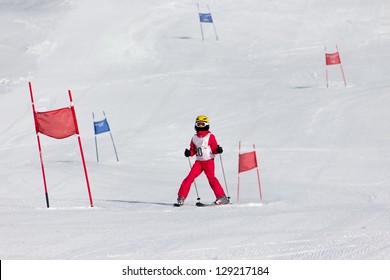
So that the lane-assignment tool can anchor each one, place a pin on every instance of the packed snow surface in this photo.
(323, 152)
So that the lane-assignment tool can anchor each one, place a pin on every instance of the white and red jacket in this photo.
(204, 145)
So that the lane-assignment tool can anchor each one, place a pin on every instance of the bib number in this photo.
(199, 152)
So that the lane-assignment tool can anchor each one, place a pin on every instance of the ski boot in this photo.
(222, 200)
(180, 201)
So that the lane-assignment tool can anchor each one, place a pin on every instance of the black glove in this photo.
(187, 153)
(219, 150)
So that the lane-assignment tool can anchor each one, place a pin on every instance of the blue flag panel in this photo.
(101, 126)
(205, 17)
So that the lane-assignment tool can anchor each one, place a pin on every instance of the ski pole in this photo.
(224, 177)
(196, 188)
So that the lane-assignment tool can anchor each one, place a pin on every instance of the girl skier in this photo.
(204, 145)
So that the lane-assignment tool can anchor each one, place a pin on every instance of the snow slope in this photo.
(324, 153)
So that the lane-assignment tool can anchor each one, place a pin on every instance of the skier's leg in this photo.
(187, 182)
(209, 170)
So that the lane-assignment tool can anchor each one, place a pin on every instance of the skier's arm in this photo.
(215, 148)
(192, 149)
(190, 152)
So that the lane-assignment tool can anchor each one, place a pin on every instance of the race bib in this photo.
(203, 150)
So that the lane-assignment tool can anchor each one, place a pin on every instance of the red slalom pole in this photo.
(341, 68)
(81, 148)
(258, 174)
(39, 146)
(326, 69)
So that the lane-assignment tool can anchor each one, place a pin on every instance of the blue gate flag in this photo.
(205, 17)
(101, 126)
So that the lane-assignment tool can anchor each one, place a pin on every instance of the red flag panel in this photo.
(332, 58)
(247, 161)
(58, 123)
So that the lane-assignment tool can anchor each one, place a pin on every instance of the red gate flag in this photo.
(58, 123)
(247, 161)
(332, 58)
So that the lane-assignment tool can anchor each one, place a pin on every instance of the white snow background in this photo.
(324, 153)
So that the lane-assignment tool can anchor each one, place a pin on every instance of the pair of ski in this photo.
(199, 204)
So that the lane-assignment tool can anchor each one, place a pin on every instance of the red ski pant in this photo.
(209, 170)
